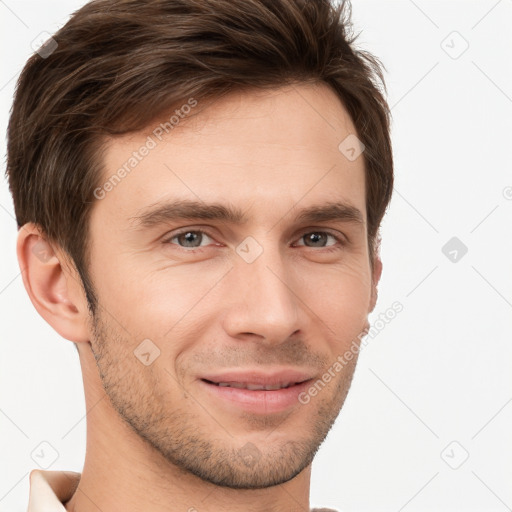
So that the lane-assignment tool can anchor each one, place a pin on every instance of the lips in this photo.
(253, 387)
(254, 380)
(257, 392)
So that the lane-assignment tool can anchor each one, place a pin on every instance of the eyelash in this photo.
(338, 239)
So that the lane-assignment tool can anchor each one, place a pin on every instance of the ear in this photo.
(376, 273)
(54, 288)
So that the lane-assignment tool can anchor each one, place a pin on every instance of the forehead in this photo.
(276, 147)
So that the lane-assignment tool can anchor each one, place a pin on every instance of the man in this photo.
(199, 187)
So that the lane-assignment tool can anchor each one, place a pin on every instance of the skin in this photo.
(156, 439)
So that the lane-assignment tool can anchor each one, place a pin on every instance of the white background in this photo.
(435, 374)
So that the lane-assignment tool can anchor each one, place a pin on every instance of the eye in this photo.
(319, 239)
(189, 239)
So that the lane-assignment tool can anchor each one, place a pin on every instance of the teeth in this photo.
(254, 387)
(239, 385)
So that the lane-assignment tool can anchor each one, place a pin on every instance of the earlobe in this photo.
(55, 293)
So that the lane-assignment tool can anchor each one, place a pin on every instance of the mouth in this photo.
(253, 386)
(256, 392)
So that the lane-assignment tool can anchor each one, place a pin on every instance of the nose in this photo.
(265, 305)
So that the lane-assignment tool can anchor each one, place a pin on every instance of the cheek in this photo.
(340, 298)
(171, 306)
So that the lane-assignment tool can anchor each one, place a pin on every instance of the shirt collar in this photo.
(50, 489)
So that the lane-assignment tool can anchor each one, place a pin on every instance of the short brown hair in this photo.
(119, 63)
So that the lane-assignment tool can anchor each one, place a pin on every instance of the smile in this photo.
(257, 393)
(253, 387)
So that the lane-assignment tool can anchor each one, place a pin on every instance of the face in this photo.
(228, 260)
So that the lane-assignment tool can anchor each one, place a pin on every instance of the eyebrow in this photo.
(161, 213)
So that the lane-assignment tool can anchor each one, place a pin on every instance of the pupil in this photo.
(315, 237)
(190, 238)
